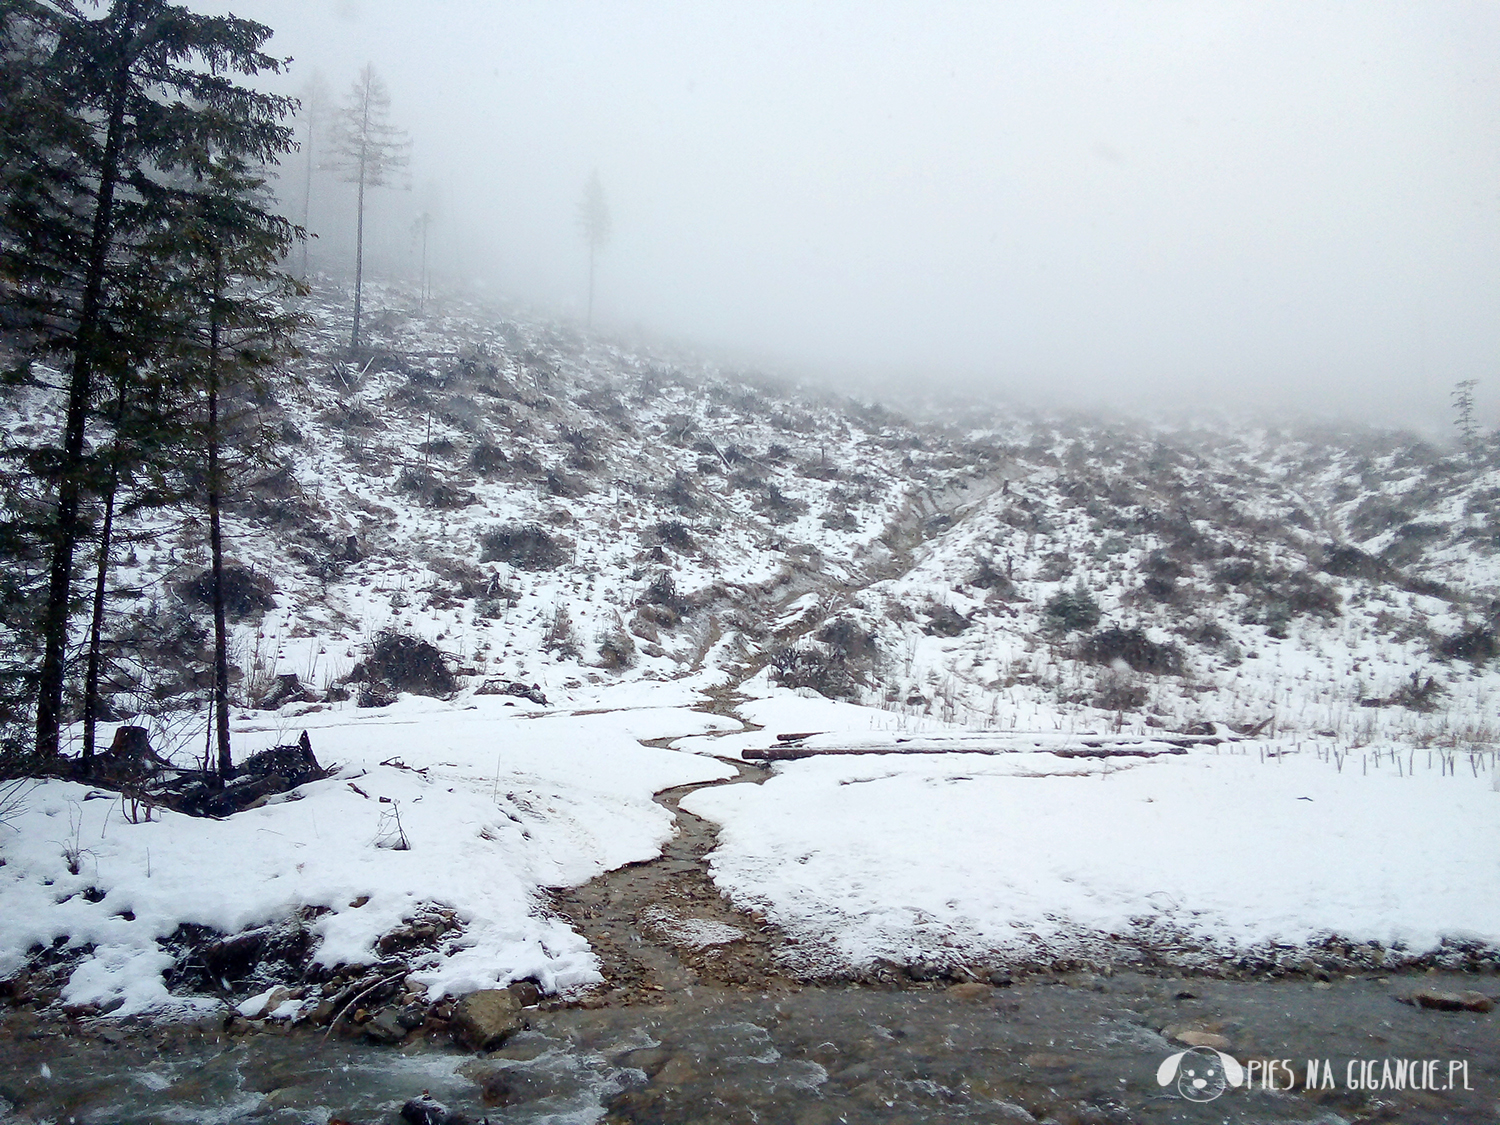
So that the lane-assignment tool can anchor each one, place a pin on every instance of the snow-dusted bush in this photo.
(523, 546)
(1132, 647)
(409, 663)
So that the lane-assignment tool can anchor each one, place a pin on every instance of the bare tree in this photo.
(313, 120)
(1462, 397)
(593, 220)
(419, 228)
(366, 149)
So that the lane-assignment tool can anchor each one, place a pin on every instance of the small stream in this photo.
(1083, 1051)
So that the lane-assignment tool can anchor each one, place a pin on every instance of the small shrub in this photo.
(523, 546)
(1068, 610)
(409, 663)
(1134, 648)
(488, 459)
(1477, 645)
(245, 592)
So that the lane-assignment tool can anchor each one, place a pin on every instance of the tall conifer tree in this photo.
(108, 107)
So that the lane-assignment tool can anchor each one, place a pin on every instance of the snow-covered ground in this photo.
(962, 856)
(957, 858)
(495, 802)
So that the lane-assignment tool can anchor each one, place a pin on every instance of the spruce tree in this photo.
(233, 328)
(106, 108)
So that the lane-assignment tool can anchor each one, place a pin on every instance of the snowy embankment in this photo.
(495, 801)
(951, 858)
(1027, 855)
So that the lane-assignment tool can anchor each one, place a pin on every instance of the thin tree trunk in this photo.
(591, 284)
(307, 189)
(96, 624)
(359, 258)
(101, 578)
(215, 537)
(70, 487)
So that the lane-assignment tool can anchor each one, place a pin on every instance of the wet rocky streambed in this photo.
(1082, 1050)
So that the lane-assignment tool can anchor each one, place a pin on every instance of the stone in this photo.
(482, 1020)
(970, 990)
(428, 1111)
(676, 1071)
(385, 1026)
(1449, 1001)
(1196, 1038)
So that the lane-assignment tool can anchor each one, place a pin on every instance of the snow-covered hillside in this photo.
(583, 526)
(554, 508)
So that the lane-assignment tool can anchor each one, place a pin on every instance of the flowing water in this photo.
(1084, 1050)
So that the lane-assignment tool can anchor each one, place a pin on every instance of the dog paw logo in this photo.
(1201, 1074)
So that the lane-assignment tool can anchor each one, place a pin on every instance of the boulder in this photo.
(1450, 1001)
(386, 1026)
(482, 1020)
(425, 1110)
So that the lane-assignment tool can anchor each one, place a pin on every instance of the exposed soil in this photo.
(661, 925)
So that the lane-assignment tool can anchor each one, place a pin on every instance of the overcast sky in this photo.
(1294, 204)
